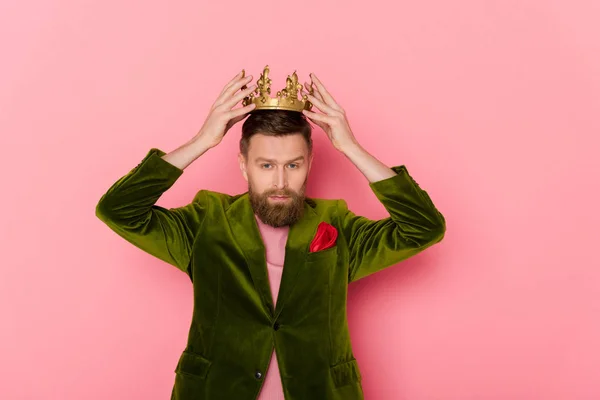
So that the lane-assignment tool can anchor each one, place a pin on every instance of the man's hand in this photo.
(335, 124)
(333, 121)
(221, 117)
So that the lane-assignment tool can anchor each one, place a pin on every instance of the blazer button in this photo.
(276, 326)
(257, 375)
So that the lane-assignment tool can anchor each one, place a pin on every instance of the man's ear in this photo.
(242, 162)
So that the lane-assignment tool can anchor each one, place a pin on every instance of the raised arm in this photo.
(128, 207)
(414, 224)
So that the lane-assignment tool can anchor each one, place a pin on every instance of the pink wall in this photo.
(492, 105)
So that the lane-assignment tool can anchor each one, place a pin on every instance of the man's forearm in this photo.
(373, 169)
(187, 153)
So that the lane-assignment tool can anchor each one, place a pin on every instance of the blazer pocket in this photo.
(345, 373)
(322, 254)
(193, 364)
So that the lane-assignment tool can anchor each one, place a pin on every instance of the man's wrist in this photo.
(187, 153)
(199, 145)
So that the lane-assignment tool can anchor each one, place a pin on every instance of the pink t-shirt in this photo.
(274, 240)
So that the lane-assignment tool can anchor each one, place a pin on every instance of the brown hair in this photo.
(275, 123)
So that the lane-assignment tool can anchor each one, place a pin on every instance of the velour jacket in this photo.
(235, 326)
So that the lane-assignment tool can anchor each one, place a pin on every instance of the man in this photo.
(270, 267)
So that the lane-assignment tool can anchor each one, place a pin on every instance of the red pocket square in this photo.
(324, 238)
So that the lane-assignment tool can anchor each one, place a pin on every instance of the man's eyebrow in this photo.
(274, 161)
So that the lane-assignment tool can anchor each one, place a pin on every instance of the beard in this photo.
(278, 213)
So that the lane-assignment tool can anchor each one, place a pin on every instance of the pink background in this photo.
(492, 105)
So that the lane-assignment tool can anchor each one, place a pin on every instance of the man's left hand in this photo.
(333, 120)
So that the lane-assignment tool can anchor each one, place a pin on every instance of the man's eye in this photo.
(265, 164)
(294, 164)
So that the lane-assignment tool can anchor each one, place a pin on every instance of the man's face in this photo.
(277, 166)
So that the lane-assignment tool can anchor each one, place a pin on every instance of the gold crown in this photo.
(287, 98)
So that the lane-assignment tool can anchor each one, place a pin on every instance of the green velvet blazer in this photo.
(235, 326)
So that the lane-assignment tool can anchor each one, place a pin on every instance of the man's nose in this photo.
(280, 179)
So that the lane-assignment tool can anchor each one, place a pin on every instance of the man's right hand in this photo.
(221, 117)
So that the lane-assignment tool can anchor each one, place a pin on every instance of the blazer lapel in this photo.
(240, 216)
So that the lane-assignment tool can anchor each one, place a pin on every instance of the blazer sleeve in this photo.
(414, 224)
(129, 209)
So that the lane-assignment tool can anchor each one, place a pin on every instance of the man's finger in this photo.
(238, 97)
(240, 75)
(321, 125)
(321, 105)
(232, 89)
(309, 88)
(241, 81)
(317, 117)
(315, 91)
(240, 113)
(327, 97)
